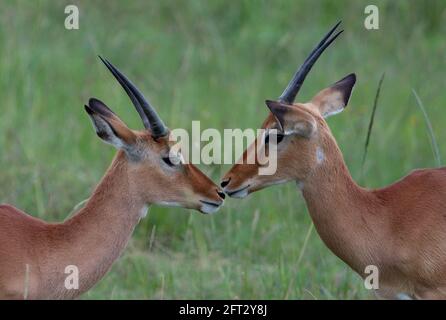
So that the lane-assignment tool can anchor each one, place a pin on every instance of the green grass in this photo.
(214, 61)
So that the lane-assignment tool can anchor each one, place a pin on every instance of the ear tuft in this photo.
(103, 134)
(88, 109)
(108, 126)
(334, 99)
(100, 107)
(345, 85)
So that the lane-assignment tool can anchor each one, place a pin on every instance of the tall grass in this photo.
(372, 120)
(430, 130)
(214, 61)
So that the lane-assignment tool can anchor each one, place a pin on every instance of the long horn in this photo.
(289, 94)
(147, 113)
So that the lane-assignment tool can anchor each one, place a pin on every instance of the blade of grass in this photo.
(76, 208)
(299, 259)
(372, 119)
(433, 141)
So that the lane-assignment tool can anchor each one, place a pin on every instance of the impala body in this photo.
(34, 255)
(400, 229)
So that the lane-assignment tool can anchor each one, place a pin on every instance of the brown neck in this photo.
(340, 209)
(95, 237)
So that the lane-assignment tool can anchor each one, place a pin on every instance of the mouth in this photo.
(210, 207)
(240, 193)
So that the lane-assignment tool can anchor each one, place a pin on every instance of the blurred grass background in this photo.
(214, 61)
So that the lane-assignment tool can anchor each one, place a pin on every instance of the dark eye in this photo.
(278, 139)
(168, 162)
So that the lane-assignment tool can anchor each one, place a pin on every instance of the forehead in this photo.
(146, 139)
(271, 122)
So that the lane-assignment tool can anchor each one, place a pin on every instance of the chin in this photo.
(251, 188)
(208, 208)
(240, 194)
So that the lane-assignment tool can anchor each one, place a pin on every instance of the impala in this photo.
(34, 254)
(400, 229)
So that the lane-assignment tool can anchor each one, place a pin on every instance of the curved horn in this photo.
(147, 113)
(289, 94)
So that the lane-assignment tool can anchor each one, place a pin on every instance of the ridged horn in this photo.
(149, 117)
(289, 94)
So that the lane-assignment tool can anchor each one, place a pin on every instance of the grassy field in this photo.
(214, 61)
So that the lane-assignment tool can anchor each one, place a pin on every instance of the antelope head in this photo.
(160, 174)
(297, 130)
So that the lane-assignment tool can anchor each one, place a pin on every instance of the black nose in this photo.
(224, 183)
(221, 194)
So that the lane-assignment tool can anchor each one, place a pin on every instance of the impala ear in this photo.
(291, 120)
(334, 99)
(108, 126)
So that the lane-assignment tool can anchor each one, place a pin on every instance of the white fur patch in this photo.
(144, 211)
(169, 204)
(332, 113)
(104, 130)
(320, 155)
(403, 296)
(207, 208)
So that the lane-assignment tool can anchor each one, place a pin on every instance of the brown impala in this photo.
(400, 229)
(34, 254)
